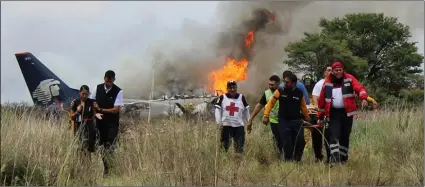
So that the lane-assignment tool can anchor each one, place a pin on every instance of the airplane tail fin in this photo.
(44, 86)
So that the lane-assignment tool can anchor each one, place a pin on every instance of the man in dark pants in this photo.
(315, 97)
(109, 99)
(337, 103)
(231, 110)
(274, 82)
(315, 132)
(291, 103)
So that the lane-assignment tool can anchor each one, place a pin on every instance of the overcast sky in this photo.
(79, 36)
(70, 36)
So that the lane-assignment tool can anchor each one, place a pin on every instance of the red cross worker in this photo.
(231, 114)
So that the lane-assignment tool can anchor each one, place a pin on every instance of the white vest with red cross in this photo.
(232, 111)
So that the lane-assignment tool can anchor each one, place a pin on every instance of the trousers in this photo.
(292, 136)
(317, 142)
(238, 135)
(327, 142)
(340, 126)
(87, 135)
(108, 133)
(276, 138)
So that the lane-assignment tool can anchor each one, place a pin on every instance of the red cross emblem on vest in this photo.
(232, 108)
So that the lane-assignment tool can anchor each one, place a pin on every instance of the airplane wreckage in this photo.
(175, 106)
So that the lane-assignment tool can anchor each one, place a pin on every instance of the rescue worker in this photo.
(267, 95)
(308, 81)
(315, 95)
(291, 103)
(187, 110)
(302, 87)
(322, 130)
(337, 103)
(231, 110)
(315, 134)
(82, 115)
(109, 100)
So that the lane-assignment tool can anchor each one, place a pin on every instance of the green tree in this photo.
(416, 81)
(380, 41)
(316, 51)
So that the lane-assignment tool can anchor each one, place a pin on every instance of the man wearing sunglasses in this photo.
(291, 103)
(299, 85)
(109, 99)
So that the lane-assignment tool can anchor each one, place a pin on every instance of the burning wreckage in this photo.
(234, 68)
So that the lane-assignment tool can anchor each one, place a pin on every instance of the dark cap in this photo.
(231, 83)
(110, 74)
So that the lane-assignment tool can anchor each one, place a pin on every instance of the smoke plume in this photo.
(182, 68)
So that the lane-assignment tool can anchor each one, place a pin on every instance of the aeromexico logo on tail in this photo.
(46, 90)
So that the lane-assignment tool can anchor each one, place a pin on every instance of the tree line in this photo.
(373, 47)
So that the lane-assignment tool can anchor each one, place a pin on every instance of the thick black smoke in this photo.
(236, 40)
(271, 22)
(185, 69)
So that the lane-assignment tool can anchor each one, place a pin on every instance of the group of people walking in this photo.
(329, 118)
(287, 109)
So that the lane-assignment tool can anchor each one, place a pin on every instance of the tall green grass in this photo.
(386, 149)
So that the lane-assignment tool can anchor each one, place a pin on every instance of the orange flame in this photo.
(232, 70)
(249, 39)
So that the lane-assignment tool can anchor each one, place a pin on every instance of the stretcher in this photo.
(309, 125)
(312, 111)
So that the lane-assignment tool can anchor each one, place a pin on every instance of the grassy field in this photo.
(386, 149)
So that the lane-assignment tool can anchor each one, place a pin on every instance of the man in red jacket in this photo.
(337, 105)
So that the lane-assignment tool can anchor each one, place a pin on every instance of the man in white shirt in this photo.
(317, 133)
(231, 114)
(109, 100)
(318, 86)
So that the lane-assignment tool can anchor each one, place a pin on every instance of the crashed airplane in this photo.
(49, 91)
